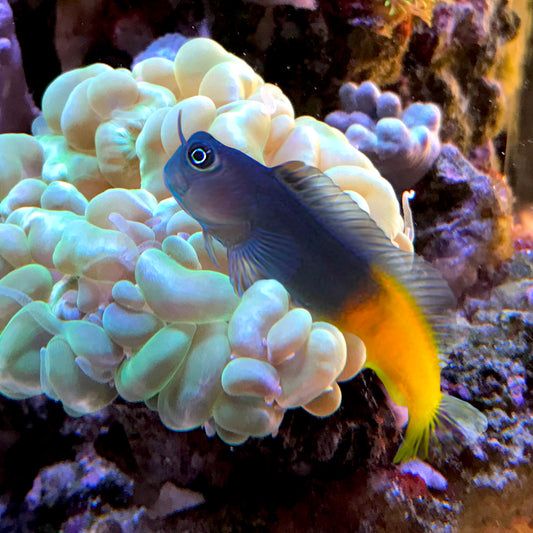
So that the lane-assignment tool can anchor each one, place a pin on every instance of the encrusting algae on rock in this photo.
(110, 279)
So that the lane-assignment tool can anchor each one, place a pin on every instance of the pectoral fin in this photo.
(264, 255)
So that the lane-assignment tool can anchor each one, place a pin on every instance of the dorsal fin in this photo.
(352, 226)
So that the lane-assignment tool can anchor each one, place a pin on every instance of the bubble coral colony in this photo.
(108, 278)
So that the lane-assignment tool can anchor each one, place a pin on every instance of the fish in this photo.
(293, 224)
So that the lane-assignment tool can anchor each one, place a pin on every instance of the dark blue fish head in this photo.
(214, 183)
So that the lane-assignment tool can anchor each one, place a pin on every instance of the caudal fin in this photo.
(461, 415)
(453, 413)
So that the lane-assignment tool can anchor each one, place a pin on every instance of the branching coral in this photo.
(110, 279)
(402, 144)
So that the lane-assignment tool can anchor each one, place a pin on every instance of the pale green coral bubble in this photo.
(22, 217)
(302, 140)
(20, 344)
(187, 400)
(91, 343)
(129, 328)
(243, 125)
(193, 61)
(63, 380)
(152, 97)
(14, 246)
(151, 154)
(247, 415)
(24, 159)
(45, 232)
(355, 357)
(182, 222)
(100, 254)
(35, 281)
(335, 331)
(64, 164)
(197, 114)
(60, 289)
(158, 71)
(13, 393)
(196, 240)
(62, 196)
(136, 205)
(96, 373)
(151, 368)
(251, 377)
(91, 293)
(274, 101)
(151, 402)
(229, 81)
(66, 307)
(5, 267)
(23, 374)
(44, 229)
(335, 149)
(136, 231)
(163, 213)
(178, 294)
(26, 193)
(233, 439)
(112, 90)
(128, 295)
(327, 403)
(46, 387)
(182, 252)
(288, 334)
(312, 369)
(78, 120)
(57, 93)
(261, 306)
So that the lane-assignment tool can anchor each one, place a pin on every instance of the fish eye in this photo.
(201, 157)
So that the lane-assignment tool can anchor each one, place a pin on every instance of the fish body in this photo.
(293, 224)
(252, 206)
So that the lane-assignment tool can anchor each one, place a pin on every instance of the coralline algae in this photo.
(465, 220)
(491, 362)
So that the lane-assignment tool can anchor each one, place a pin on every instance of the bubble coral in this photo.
(403, 145)
(109, 278)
